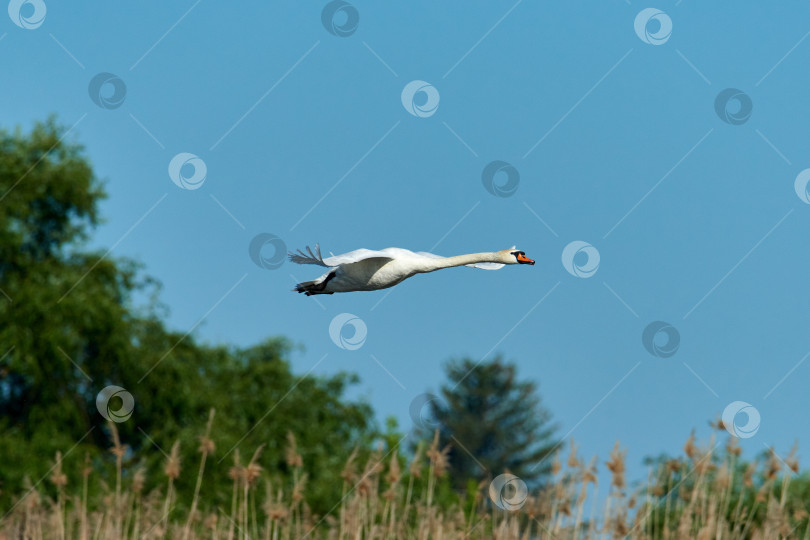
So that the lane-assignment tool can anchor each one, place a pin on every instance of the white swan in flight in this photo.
(368, 270)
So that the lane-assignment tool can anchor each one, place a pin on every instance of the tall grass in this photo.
(705, 493)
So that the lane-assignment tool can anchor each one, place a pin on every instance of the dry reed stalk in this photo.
(138, 480)
(172, 470)
(251, 474)
(414, 471)
(235, 474)
(616, 466)
(206, 448)
(118, 450)
(86, 470)
(59, 479)
(348, 475)
(296, 463)
(392, 478)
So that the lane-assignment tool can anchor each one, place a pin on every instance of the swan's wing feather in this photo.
(480, 266)
(315, 257)
(309, 257)
(355, 256)
(429, 255)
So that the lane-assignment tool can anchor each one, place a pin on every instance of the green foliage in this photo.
(493, 422)
(68, 328)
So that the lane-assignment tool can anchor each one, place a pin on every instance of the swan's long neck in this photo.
(460, 260)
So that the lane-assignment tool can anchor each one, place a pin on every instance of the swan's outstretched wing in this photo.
(336, 260)
(362, 254)
(481, 265)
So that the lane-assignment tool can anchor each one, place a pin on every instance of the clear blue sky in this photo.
(616, 141)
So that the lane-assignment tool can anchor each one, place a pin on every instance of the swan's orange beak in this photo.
(523, 259)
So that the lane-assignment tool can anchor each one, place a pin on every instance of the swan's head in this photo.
(514, 256)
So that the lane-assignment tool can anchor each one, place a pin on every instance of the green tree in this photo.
(493, 422)
(63, 321)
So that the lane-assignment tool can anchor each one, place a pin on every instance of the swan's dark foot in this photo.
(310, 293)
(314, 287)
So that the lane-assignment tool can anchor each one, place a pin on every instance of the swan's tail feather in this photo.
(317, 286)
(311, 287)
(309, 257)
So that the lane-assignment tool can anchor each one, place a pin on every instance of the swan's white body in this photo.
(368, 270)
